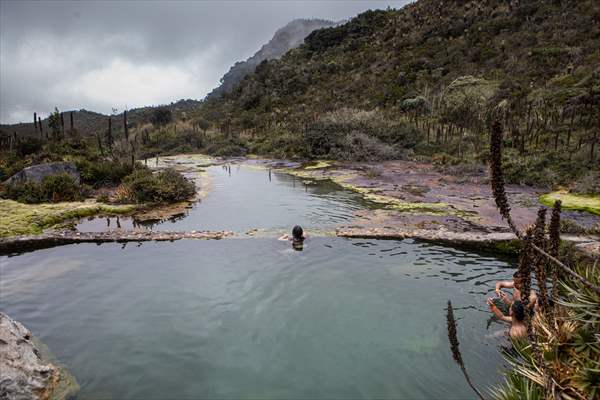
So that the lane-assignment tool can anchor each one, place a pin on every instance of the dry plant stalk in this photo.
(539, 239)
(497, 177)
(454, 347)
(554, 245)
(497, 182)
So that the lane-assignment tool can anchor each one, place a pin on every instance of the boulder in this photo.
(38, 172)
(25, 372)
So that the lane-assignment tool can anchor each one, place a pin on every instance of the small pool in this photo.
(242, 198)
(249, 317)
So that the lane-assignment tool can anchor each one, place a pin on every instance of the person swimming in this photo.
(517, 285)
(515, 317)
(297, 238)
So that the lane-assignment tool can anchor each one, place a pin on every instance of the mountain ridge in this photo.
(285, 38)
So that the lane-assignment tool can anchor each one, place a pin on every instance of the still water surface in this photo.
(251, 318)
(241, 199)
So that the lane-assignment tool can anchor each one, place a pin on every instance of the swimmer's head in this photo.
(517, 311)
(518, 280)
(298, 233)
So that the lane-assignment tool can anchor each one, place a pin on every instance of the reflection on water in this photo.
(241, 199)
(254, 318)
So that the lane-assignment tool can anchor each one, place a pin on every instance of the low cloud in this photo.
(100, 55)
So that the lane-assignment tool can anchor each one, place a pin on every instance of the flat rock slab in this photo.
(20, 243)
(497, 241)
(470, 239)
(25, 373)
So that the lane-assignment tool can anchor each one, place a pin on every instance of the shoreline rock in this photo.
(25, 371)
(51, 239)
(36, 173)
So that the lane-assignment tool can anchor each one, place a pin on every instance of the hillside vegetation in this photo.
(424, 81)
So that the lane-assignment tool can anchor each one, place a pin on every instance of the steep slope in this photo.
(380, 57)
(285, 39)
(442, 69)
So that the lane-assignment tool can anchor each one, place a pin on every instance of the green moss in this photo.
(508, 247)
(319, 165)
(572, 201)
(27, 219)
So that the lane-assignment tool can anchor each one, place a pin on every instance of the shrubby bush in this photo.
(359, 135)
(53, 188)
(166, 186)
(589, 184)
(545, 170)
(99, 173)
(281, 145)
(223, 147)
(357, 146)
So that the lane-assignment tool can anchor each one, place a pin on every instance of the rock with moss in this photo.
(36, 173)
(27, 219)
(26, 372)
(572, 201)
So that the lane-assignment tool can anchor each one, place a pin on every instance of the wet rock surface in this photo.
(36, 173)
(50, 239)
(25, 372)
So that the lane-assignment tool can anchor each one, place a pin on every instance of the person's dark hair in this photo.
(518, 310)
(298, 233)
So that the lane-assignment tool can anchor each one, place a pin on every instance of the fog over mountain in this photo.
(102, 55)
(286, 38)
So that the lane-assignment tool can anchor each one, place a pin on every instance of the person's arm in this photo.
(504, 297)
(284, 238)
(532, 299)
(497, 312)
(504, 284)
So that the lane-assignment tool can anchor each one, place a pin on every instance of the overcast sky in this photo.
(100, 55)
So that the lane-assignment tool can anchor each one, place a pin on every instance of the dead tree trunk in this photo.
(99, 139)
(34, 123)
(125, 125)
(41, 130)
(62, 124)
(109, 134)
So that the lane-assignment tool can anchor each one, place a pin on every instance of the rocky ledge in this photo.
(504, 242)
(50, 239)
(25, 372)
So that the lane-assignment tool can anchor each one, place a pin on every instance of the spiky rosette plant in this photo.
(497, 176)
(562, 357)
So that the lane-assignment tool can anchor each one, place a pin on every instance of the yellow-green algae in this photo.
(319, 165)
(27, 219)
(572, 201)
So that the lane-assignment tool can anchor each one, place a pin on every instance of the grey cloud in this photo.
(52, 51)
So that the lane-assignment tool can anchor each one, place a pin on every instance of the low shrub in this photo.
(53, 188)
(544, 170)
(166, 186)
(357, 146)
(589, 184)
(222, 147)
(280, 145)
(99, 173)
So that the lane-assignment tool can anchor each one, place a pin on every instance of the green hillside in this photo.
(425, 81)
